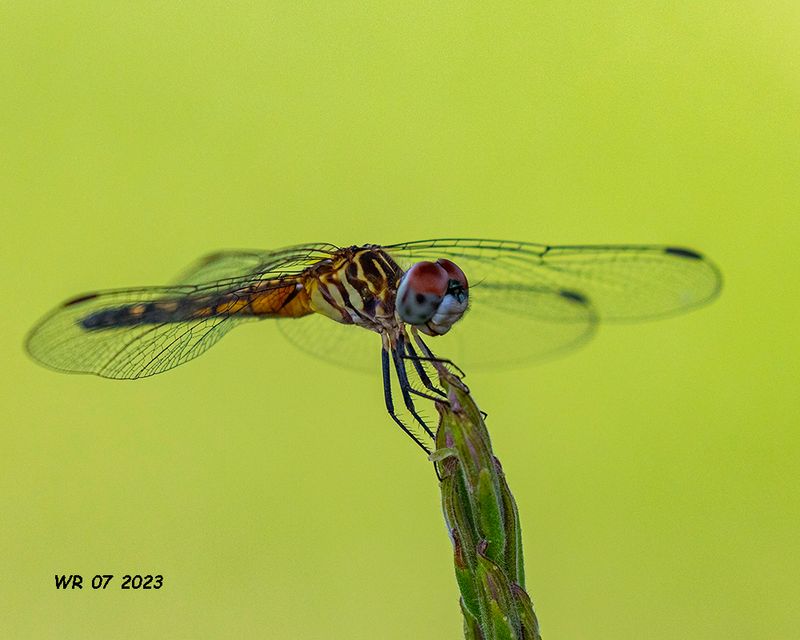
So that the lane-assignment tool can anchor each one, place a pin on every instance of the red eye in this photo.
(421, 291)
(432, 296)
(453, 272)
(428, 278)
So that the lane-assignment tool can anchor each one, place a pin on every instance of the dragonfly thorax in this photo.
(357, 286)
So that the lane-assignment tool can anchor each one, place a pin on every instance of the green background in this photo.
(656, 470)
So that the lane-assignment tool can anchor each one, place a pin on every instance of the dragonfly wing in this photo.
(138, 332)
(223, 264)
(481, 338)
(622, 282)
(511, 324)
(344, 345)
(71, 339)
(255, 264)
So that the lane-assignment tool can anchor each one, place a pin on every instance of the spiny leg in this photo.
(402, 353)
(387, 394)
(405, 385)
(413, 356)
(429, 357)
(426, 396)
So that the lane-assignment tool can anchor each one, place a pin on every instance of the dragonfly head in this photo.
(433, 296)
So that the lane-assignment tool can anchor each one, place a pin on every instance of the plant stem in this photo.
(483, 522)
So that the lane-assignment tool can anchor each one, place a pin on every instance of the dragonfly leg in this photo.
(387, 394)
(429, 357)
(405, 386)
(426, 396)
(411, 354)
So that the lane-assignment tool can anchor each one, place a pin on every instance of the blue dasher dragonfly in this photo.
(550, 298)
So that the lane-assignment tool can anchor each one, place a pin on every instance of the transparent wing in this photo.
(221, 265)
(253, 263)
(127, 349)
(345, 345)
(532, 302)
(622, 282)
(61, 340)
(513, 324)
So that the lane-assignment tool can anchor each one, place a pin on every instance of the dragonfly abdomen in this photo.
(156, 312)
(267, 300)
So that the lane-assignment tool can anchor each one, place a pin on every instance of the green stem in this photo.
(483, 522)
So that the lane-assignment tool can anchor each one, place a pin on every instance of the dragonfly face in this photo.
(432, 296)
(550, 298)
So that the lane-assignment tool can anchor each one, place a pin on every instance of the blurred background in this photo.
(656, 470)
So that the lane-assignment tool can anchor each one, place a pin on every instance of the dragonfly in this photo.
(549, 298)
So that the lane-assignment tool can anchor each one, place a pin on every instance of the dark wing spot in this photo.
(83, 298)
(683, 253)
(574, 296)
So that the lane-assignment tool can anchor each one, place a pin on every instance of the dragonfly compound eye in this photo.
(458, 284)
(432, 296)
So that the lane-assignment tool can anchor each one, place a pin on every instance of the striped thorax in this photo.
(356, 286)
